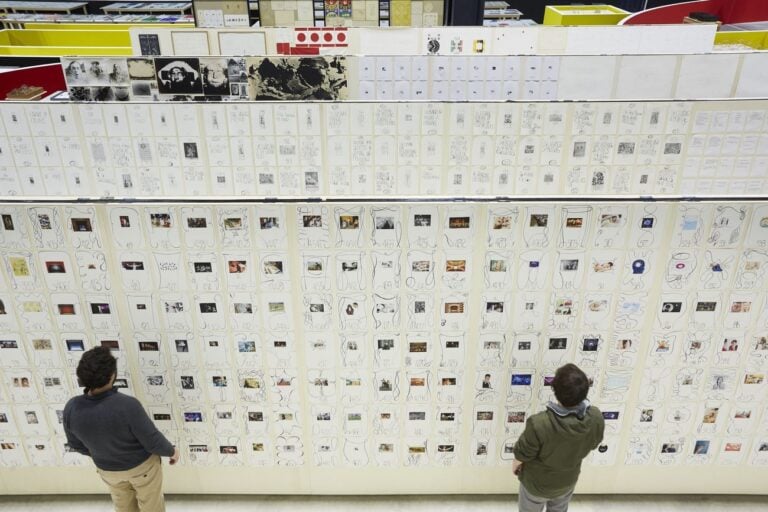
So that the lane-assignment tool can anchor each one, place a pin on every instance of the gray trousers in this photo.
(527, 502)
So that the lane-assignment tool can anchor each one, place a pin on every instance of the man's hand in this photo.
(517, 467)
(175, 456)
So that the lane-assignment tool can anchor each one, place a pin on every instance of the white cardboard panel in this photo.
(645, 76)
(652, 39)
(516, 41)
(586, 77)
(193, 43)
(707, 76)
(239, 43)
(660, 38)
(397, 41)
(596, 40)
(753, 82)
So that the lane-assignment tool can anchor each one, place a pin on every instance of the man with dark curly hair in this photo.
(549, 452)
(115, 431)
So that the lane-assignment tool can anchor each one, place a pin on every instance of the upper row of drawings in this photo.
(403, 78)
(399, 149)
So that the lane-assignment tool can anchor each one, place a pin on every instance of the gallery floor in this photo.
(492, 503)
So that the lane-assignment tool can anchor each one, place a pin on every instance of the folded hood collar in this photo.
(579, 410)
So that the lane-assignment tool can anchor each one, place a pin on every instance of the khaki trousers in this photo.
(138, 489)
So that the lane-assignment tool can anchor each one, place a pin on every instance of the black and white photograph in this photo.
(187, 382)
(75, 71)
(215, 76)
(142, 89)
(80, 93)
(706, 306)
(626, 148)
(203, 266)
(208, 307)
(384, 223)
(102, 94)
(178, 76)
(237, 70)
(557, 343)
(141, 69)
(297, 78)
(422, 221)
(243, 308)
(190, 150)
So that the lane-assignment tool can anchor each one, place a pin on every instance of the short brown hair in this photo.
(570, 385)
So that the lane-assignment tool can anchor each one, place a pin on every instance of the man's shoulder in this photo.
(596, 413)
(73, 402)
(539, 418)
(124, 400)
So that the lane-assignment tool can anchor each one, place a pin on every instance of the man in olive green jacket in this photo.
(548, 454)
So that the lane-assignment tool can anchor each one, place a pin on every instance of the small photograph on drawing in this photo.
(422, 221)
(349, 222)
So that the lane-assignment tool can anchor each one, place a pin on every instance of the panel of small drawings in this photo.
(391, 335)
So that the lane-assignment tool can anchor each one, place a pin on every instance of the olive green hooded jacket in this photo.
(552, 446)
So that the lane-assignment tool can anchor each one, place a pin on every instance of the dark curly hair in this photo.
(96, 368)
(570, 385)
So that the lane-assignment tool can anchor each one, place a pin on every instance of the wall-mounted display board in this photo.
(392, 347)
(348, 149)
(538, 40)
(382, 78)
(351, 13)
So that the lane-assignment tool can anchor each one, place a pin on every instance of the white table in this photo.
(66, 7)
(147, 7)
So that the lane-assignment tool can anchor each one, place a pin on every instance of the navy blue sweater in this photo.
(114, 430)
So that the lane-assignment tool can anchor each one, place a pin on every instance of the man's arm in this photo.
(600, 431)
(526, 448)
(145, 431)
(528, 444)
(72, 440)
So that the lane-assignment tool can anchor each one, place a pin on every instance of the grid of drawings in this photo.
(190, 338)
(391, 335)
(353, 149)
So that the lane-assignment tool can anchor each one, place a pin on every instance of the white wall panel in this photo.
(646, 76)
(278, 316)
(754, 76)
(586, 77)
(706, 76)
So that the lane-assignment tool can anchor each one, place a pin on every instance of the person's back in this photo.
(549, 452)
(115, 431)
